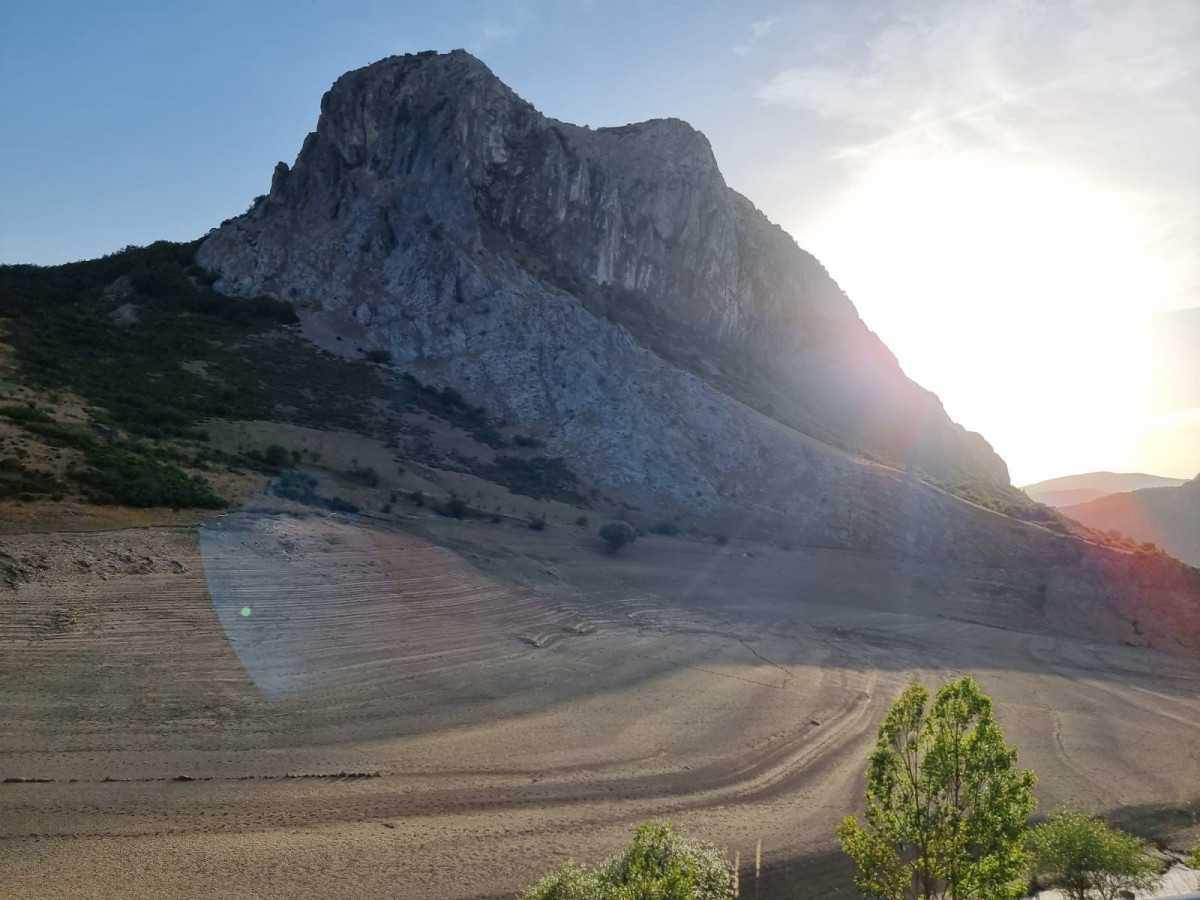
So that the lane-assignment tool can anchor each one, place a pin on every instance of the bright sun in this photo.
(1016, 294)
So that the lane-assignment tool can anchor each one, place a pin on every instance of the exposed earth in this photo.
(284, 704)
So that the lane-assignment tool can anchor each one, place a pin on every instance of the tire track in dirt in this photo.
(764, 772)
(745, 718)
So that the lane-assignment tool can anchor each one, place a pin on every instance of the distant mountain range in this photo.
(1166, 516)
(1072, 490)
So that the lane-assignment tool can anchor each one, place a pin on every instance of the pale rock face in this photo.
(477, 241)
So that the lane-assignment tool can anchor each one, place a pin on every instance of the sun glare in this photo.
(1016, 294)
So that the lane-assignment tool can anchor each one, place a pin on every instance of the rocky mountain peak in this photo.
(669, 145)
(602, 287)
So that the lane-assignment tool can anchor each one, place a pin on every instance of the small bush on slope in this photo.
(1088, 860)
(656, 865)
(617, 534)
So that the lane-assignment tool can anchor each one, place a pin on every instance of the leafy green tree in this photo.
(1088, 860)
(617, 534)
(656, 865)
(946, 803)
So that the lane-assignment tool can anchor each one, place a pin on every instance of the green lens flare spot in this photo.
(245, 610)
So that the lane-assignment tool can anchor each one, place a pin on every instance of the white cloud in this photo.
(756, 32)
(762, 28)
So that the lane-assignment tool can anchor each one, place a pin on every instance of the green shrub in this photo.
(26, 413)
(454, 508)
(62, 435)
(340, 504)
(448, 404)
(571, 882)
(537, 523)
(617, 534)
(16, 480)
(127, 474)
(379, 356)
(543, 478)
(1087, 860)
(302, 488)
(277, 455)
(363, 475)
(656, 865)
(122, 476)
(582, 521)
(297, 486)
(665, 527)
(417, 497)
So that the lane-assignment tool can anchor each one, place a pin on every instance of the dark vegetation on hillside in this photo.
(133, 473)
(154, 351)
(18, 482)
(302, 488)
(183, 352)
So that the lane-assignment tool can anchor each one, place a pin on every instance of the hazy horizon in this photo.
(1006, 191)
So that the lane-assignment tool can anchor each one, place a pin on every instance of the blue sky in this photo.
(135, 121)
(1007, 189)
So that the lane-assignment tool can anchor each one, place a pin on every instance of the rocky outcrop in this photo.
(603, 286)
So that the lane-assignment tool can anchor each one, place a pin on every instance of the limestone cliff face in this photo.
(604, 289)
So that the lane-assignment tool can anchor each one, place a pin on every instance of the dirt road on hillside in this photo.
(302, 707)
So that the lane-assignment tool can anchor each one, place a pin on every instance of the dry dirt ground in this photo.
(282, 705)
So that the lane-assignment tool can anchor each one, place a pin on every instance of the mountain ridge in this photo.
(424, 197)
(1105, 482)
(1167, 516)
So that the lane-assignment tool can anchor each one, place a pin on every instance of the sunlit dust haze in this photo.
(1008, 190)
